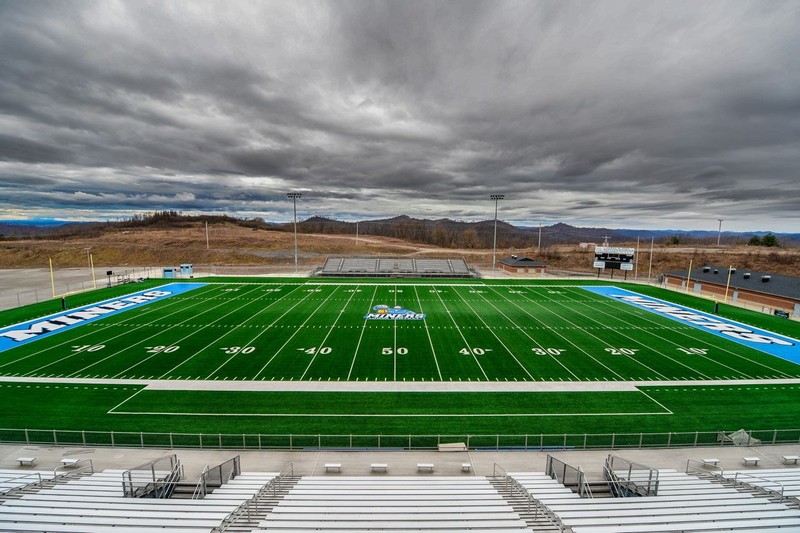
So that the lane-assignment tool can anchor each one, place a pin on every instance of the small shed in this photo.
(186, 269)
(170, 272)
(522, 265)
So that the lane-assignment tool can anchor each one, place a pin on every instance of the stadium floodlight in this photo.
(294, 196)
(495, 197)
(719, 231)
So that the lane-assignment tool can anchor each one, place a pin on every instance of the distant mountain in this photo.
(442, 232)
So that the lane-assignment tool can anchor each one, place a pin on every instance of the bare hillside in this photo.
(232, 245)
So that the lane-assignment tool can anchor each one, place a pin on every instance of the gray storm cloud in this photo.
(617, 113)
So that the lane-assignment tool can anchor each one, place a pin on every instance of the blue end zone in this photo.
(19, 334)
(759, 339)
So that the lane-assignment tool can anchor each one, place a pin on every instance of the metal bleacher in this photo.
(684, 502)
(395, 267)
(396, 503)
(96, 503)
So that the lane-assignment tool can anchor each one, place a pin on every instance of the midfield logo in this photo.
(384, 312)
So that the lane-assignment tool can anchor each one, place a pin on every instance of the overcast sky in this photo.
(646, 114)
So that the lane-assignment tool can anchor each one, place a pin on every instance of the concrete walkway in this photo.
(400, 462)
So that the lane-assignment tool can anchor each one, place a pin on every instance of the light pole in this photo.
(294, 196)
(719, 232)
(496, 198)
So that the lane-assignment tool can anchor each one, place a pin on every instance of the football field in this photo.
(407, 356)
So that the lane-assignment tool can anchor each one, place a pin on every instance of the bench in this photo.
(452, 447)
(379, 467)
(70, 461)
(753, 459)
(333, 467)
(466, 467)
(26, 461)
(790, 458)
(425, 467)
(710, 461)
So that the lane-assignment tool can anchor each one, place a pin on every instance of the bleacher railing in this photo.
(155, 479)
(569, 476)
(255, 505)
(263, 441)
(535, 507)
(627, 478)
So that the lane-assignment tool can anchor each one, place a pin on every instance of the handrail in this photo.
(37, 481)
(73, 469)
(648, 487)
(583, 485)
(201, 488)
(162, 487)
(251, 505)
(759, 486)
(538, 506)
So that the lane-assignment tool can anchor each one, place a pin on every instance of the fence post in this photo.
(669, 439)
(409, 441)
(497, 442)
(170, 439)
(259, 441)
(55, 438)
(27, 438)
(379, 441)
(141, 438)
(774, 436)
(319, 441)
(351, 441)
(696, 434)
(526, 442)
(584, 441)
(291, 447)
(112, 439)
(83, 436)
(613, 440)
(641, 438)
(219, 440)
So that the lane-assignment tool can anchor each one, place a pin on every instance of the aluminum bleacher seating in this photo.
(783, 481)
(683, 503)
(417, 503)
(95, 503)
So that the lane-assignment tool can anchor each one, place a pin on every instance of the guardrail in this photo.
(251, 506)
(262, 441)
(152, 480)
(535, 508)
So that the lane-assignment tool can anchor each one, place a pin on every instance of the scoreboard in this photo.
(614, 257)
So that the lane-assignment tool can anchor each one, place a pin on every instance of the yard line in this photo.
(149, 310)
(495, 335)
(604, 342)
(530, 337)
(361, 336)
(553, 330)
(184, 361)
(264, 330)
(394, 350)
(330, 330)
(455, 324)
(650, 317)
(224, 302)
(296, 331)
(644, 317)
(697, 372)
(428, 333)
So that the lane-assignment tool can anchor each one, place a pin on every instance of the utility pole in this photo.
(496, 198)
(719, 232)
(294, 196)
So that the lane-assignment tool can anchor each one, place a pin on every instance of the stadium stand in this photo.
(96, 503)
(395, 267)
(781, 482)
(408, 503)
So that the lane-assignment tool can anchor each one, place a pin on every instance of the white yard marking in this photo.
(461, 334)
(182, 310)
(428, 333)
(330, 330)
(566, 339)
(296, 331)
(361, 336)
